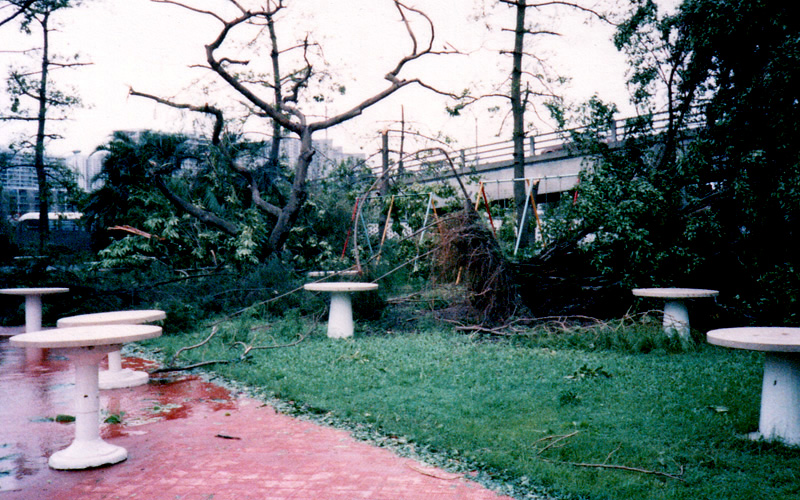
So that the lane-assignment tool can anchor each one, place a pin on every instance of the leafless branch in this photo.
(219, 119)
(193, 9)
(677, 477)
(529, 32)
(555, 440)
(195, 211)
(61, 65)
(552, 3)
(214, 331)
(20, 9)
(254, 191)
(248, 348)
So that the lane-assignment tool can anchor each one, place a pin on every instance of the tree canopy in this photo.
(714, 204)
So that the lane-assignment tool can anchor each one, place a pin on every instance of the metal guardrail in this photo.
(538, 145)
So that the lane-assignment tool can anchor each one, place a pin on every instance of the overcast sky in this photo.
(148, 46)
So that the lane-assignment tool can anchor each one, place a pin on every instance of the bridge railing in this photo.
(540, 145)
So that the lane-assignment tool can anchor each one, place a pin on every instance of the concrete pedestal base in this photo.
(117, 377)
(87, 449)
(780, 398)
(779, 419)
(676, 315)
(33, 323)
(87, 454)
(676, 318)
(33, 314)
(340, 319)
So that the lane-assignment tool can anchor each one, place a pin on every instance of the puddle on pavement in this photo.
(33, 394)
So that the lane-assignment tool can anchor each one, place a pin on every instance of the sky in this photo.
(152, 47)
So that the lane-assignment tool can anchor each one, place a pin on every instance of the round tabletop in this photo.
(32, 291)
(133, 317)
(674, 293)
(757, 338)
(338, 286)
(85, 336)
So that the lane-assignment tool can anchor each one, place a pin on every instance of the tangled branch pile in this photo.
(467, 249)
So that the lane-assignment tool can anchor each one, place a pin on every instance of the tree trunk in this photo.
(277, 130)
(297, 197)
(38, 161)
(518, 114)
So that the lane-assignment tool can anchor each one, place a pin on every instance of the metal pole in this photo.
(424, 228)
(524, 218)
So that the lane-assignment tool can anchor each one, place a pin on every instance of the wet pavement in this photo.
(189, 439)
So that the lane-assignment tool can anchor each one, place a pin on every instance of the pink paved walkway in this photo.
(188, 439)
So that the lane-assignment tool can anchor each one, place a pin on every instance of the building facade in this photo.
(19, 188)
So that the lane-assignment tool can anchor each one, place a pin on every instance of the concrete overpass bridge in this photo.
(552, 166)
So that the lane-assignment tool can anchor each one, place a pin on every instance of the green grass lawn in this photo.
(575, 418)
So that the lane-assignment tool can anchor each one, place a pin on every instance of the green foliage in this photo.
(714, 206)
(640, 224)
(318, 238)
(747, 55)
(153, 228)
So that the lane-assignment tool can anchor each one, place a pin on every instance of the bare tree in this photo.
(518, 96)
(524, 85)
(279, 99)
(35, 86)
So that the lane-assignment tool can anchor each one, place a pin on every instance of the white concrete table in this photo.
(780, 390)
(116, 377)
(340, 317)
(33, 311)
(676, 316)
(86, 346)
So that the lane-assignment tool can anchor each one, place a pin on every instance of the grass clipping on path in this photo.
(468, 251)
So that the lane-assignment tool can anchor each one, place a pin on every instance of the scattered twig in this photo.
(438, 474)
(244, 354)
(167, 369)
(248, 348)
(225, 436)
(555, 441)
(608, 457)
(188, 348)
(498, 330)
(631, 469)
(562, 323)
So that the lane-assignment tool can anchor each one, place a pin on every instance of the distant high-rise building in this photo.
(86, 168)
(20, 188)
(326, 156)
